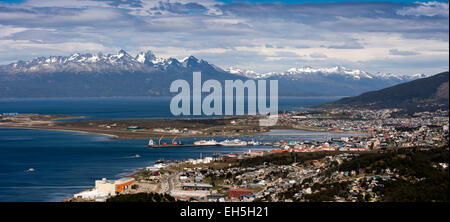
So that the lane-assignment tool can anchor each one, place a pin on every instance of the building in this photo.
(187, 194)
(183, 177)
(94, 195)
(215, 198)
(134, 128)
(9, 114)
(237, 193)
(113, 187)
(255, 153)
(197, 186)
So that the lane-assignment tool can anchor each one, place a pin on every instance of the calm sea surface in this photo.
(65, 163)
(125, 107)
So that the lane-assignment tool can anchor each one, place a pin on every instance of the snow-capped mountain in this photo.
(146, 57)
(122, 74)
(247, 73)
(98, 62)
(308, 72)
(148, 62)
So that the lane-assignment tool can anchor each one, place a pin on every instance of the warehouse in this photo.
(197, 186)
(113, 187)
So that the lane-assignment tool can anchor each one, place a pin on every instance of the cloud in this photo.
(130, 3)
(264, 36)
(7, 30)
(402, 53)
(347, 45)
(317, 55)
(426, 9)
(179, 8)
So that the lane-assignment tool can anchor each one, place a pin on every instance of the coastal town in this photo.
(225, 109)
(330, 169)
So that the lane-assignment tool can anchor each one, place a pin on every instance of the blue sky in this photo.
(319, 1)
(400, 37)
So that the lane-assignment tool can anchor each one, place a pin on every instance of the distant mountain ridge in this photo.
(98, 62)
(310, 72)
(121, 74)
(421, 94)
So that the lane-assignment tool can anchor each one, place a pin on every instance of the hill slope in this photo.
(422, 94)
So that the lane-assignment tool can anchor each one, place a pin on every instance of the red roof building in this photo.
(237, 193)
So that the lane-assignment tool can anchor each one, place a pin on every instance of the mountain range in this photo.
(121, 74)
(424, 94)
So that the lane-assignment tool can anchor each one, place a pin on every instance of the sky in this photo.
(400, 37)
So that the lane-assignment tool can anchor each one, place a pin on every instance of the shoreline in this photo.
(62, 130)
(227, 126)
(135, 137)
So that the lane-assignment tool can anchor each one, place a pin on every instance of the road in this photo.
(167, 183)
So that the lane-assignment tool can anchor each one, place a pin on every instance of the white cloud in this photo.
(8, 30)
(426, 9)
(402, 53)
(15, 48)
(317, 55)
(268, 37)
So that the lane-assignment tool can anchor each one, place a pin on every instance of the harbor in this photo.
(59, 162)
(199, 143)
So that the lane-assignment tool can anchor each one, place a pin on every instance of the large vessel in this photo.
(174, 143)
(253, 143)
(159, 144)
(235, 142)
(205, 143)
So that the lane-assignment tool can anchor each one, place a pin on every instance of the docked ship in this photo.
(159, 144)
(206, 143)
(160, 161)
(235, 142)
(253, 143)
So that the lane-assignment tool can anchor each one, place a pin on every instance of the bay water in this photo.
(64, 163)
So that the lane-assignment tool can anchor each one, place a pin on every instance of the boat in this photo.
(30, 170)
(137, 156)
(174, 143)
(235, 142)
(151, 142)
(160, 161)
(253, 143)
(205, 143)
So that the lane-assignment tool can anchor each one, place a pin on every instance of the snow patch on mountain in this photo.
(148, 62)
(307, 71)
(241, 72)
(121, 61)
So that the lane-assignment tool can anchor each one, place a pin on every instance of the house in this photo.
(237, 193)
(134, 128)
(183, 177)
(215, 198)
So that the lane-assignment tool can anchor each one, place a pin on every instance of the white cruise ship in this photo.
(205, 143)
(235, 142)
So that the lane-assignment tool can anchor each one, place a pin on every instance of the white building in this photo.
(112, 187)
(190, 193)
(89, 194)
